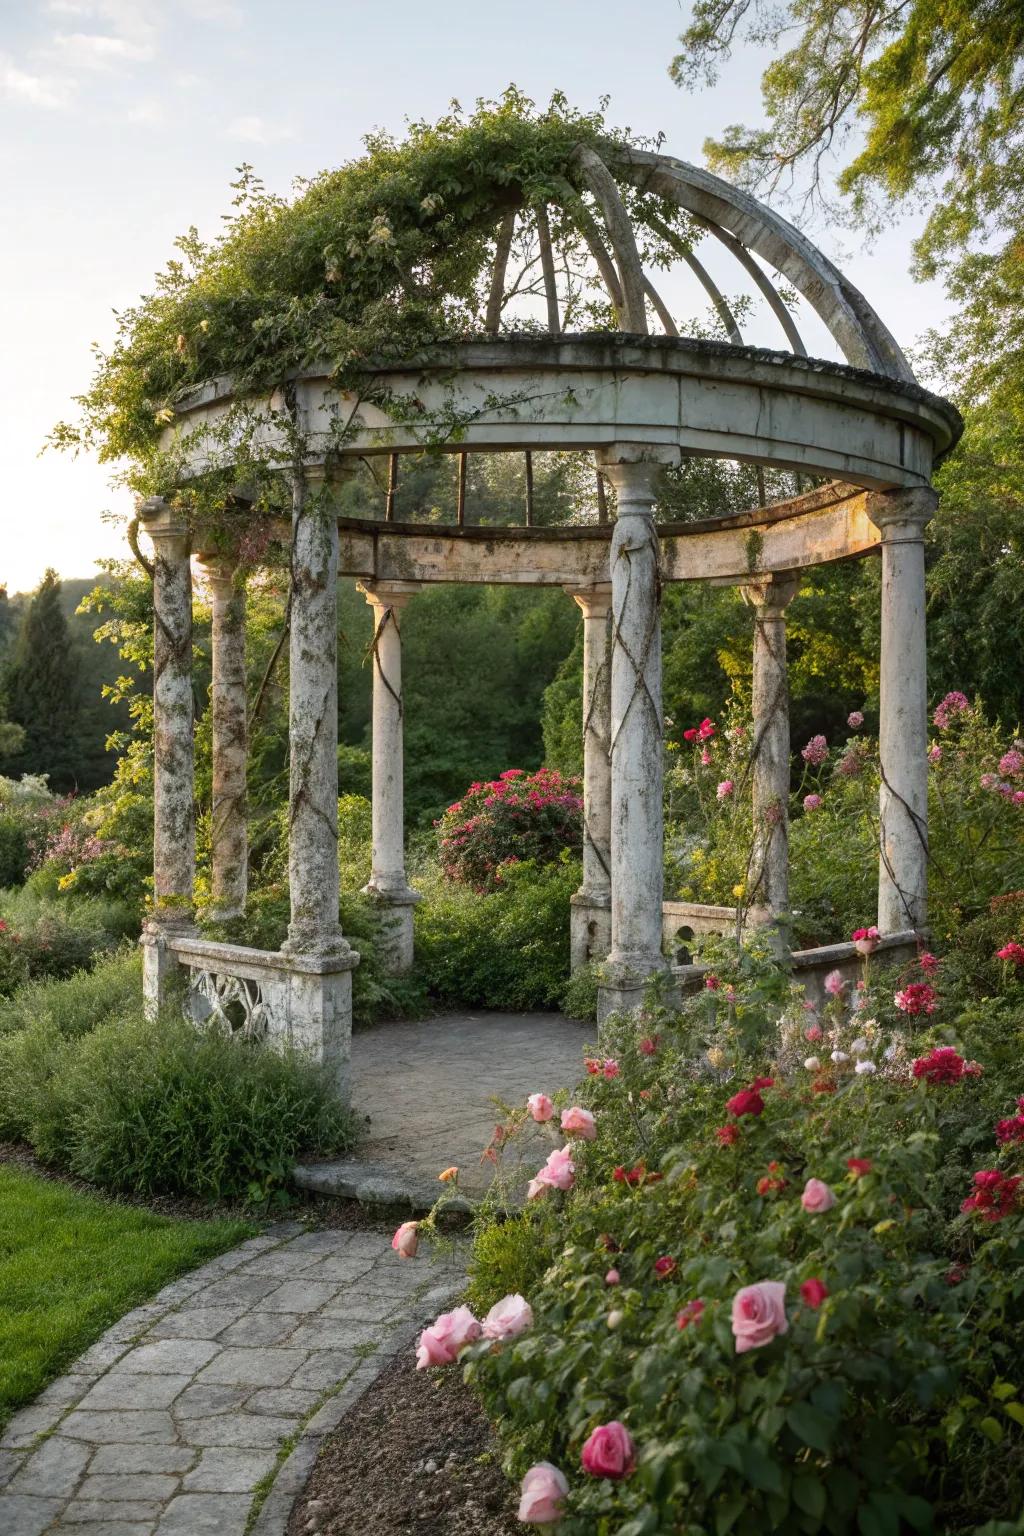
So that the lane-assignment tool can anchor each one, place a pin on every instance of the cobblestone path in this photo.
(203, 1410)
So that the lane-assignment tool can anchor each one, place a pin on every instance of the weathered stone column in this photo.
(320, 1007)
(903, 731)
(637, 824)
(590, 923)
(229, 830)
(388, 883)
(174, 840)
(768, 886)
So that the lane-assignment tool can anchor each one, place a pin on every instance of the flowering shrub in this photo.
(758, 1305)
(511, 819)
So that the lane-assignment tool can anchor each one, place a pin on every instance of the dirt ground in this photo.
(415, 1455)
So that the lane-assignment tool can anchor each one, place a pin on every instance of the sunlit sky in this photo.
(121, 123)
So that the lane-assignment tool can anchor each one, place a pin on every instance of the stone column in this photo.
(590, 924)
(903, 731)
(229, 830)
(768, 886)
(174, 841)
(637, 822)
(388, 883)
(321, 994)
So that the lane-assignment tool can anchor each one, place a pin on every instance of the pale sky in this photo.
(122, 121)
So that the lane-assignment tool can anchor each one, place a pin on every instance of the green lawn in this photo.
(72, 1264)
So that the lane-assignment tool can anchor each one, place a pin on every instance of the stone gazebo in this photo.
(862, 431)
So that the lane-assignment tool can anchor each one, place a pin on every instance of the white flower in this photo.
(889, 1052)
(812, 1064)
(839, 1056)
(865, 1068)
(860, 1047)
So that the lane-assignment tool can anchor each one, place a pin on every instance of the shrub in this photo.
(579, 996)
(515, 818)
(44, 937)
(508, 948)
(15, 850)
(881, 1395)
(80, 1002)
(159, 1107)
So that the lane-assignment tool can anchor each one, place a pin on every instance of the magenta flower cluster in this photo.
(501, 822)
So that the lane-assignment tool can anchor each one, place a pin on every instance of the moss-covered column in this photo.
(313, 723)
(903, 728)
(388, 883)
(590, 923)
(229, 831)
(637, 730)
(174, 842)
(768, 885)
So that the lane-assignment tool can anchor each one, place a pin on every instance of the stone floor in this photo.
(214, 1396)
(430, 1090)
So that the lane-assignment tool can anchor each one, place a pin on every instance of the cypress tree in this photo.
(41, 688)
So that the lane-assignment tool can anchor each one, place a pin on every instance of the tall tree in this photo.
(41, 690)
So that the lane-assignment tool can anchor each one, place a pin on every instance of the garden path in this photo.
(210, 1401)
(218, 1391)
(429, 1089)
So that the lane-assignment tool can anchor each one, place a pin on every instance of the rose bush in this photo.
(514, 818)
(807, 1324)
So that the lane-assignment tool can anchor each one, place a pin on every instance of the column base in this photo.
(623, 982)
(590, 927)
(328, 943)
(395, 908)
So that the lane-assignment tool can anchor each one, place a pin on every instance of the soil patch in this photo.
(416, 1456)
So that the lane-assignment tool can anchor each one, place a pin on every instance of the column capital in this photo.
(388, 594)
(902, 511)
(632, 468)
(216, 566)
(161, 519)
(595, 601)
(770, 596)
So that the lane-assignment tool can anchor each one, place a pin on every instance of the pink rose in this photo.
(725, 789)
(613, 1277)
(855, 719)
(817, 1197)
(834, 983)
(758, 1314)
(406, 1240)
(558, 1173)
(508, 1318)
(609, 1452)
(543, 1493)
(441, 1342)
(578, 1122)
(812, 802)
(540, 1107)
(865, 940)
(813, 1032)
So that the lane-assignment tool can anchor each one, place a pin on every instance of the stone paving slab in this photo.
(166, 1426)
(431, 1086)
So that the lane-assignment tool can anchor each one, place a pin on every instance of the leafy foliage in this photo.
(512, 818)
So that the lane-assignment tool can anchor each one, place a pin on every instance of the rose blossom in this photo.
(817, 1197)
(813, 1032)
(508, 1318)
(612, 1277)
(406, 1240)
(941, 1065)
(441, 1342)
(812, 802)
(725, 789)
(858, 1166)
(727, 1134)
(609, 1451)
(865, 1068)
(865, 940)
(579, 1122)
(558, 1173)
(666, 1265)
(855, 719)
(691, 1313)
(648, 1045)
(812, 1064)
(813, 1292)
(758, 1314)
(712, 983)
(543, 1493)
(916, 997)
(747, 1102)
(540, 1107)
(834, 983)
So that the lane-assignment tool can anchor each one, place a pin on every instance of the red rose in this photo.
(747, 1102)
(691, 1313)
(813, 1292)
(727, 1134)
(859, 1166)
(666, 1265)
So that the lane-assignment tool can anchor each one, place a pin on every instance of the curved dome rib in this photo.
(863, 338)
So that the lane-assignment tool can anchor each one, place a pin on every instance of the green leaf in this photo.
(992, 1428)
(1014, 1411)
(809, 1495)
(810, 1426)
(727, 1513)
